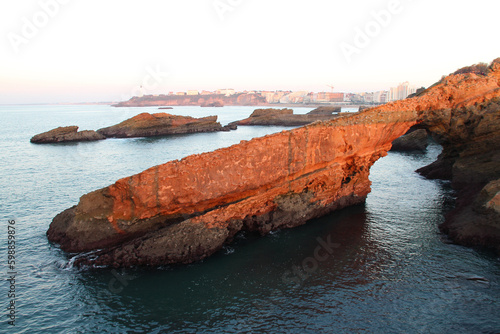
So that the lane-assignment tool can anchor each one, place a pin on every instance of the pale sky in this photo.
(89, 51)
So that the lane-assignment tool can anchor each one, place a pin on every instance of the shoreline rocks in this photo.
(471, 160)
(66, 134)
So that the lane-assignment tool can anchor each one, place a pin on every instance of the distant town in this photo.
(400, 92)
(228, 96)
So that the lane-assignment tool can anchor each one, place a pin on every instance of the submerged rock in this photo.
(160, 124)
(66, 134)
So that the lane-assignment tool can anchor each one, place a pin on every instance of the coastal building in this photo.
(380, 96)
(322, 97)
(401, 91)
(227, 91)
(192, 92)
(295, 97)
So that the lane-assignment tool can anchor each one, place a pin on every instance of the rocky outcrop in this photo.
(282, 117)
(186, 210)
(160, 124)
(66, 134)
(470, 136)
(215, 104)
(412, 141)
(327, 110)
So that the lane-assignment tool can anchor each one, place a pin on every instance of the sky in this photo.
(70, 51)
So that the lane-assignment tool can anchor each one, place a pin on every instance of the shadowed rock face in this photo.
(412, 141)
(183, 211)
(160, 124)
(66, 134)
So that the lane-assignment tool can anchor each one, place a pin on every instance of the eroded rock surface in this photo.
(160, 124)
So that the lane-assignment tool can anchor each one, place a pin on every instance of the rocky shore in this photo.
(186, 210)
(470, 136)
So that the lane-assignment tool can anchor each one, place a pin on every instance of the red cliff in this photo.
(183, 211)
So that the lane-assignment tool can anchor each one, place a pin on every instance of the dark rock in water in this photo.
(160, 124)
(66, 134)
(412, 141)
(325, 110)
(214, 104)
(229, 127)
(283, 117)
(165, 108)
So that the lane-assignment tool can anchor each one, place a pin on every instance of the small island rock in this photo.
(66, 134)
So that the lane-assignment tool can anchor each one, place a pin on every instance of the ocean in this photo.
(391, 271)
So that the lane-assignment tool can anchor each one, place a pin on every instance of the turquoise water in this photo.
(389, 271)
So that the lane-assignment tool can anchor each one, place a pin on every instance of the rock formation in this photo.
(283, 117)
(327, 110)
(160, 124)
(412, 141)
(470, 136)
(66, 134)
(215, 104)
(186, 210)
